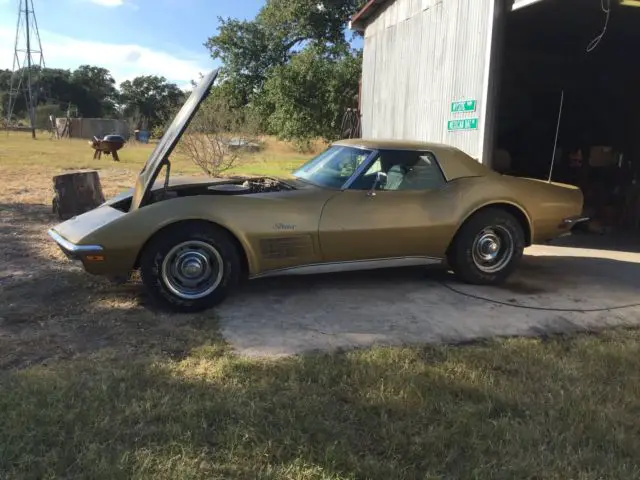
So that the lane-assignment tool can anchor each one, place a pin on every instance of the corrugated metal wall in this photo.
(419, 56)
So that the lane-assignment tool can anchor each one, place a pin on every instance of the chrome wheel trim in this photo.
(192, 269)
(492, 249)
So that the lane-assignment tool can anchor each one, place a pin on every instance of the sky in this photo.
(128, 37)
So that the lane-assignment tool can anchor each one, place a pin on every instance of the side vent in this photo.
(286, 247)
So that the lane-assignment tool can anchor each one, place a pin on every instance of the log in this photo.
(76, 193)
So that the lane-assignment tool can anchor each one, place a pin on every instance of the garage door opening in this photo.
(582, 52)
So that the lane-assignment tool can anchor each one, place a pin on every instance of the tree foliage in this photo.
(89, 90)
(98, 89)
(150, 97)
(308, 96)
(292, 65)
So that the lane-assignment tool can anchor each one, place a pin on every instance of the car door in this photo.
(399, 217)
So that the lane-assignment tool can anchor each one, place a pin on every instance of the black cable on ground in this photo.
(530, 307)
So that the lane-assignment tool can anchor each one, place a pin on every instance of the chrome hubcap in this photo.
(192, 269)
(493, 249)
(193, 265)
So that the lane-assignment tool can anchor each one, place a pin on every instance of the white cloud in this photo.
(111, 3)
(124, 61)
(108, 3)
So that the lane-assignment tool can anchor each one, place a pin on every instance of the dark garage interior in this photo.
(583, 52)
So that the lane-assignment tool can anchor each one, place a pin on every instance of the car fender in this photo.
(475, 194)
(133, 230)
(498, 203)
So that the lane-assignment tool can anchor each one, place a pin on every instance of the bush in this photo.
(157, 131)
(218, 137)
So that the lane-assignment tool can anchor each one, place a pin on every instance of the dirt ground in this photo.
(51, 309)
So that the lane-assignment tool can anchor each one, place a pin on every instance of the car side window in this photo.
(405, 170)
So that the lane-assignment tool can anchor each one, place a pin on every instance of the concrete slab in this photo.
(559, 288)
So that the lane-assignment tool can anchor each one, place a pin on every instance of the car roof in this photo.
(384, 144)
(454, 162)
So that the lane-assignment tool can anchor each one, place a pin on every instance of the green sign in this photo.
(464, 106)
(463, 124)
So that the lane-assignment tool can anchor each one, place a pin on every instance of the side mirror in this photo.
(380, 181)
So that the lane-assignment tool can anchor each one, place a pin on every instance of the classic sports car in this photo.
(360, 204)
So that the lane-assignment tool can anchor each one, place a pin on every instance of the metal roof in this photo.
(359, 20)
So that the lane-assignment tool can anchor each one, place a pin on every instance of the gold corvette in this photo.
(360, 204)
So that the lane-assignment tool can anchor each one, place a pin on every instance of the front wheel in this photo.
(190, 267)
(487, 248)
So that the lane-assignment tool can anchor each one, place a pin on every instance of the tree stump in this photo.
(76, 193)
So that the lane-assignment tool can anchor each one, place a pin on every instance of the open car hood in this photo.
(167, 143)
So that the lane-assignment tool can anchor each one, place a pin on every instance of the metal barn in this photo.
(421, 56)
(537, 88)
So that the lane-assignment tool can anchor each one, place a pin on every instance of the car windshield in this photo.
(333, 167)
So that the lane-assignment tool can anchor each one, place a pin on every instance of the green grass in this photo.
(29, 165)
(19, 150)
(561, 408)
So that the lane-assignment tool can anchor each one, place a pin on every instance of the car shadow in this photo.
(537, 274)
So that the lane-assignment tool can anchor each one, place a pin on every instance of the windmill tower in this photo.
(28, 63)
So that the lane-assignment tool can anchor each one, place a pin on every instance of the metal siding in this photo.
(419, 56)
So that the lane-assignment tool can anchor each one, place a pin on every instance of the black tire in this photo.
(474, 243)
(205, 239)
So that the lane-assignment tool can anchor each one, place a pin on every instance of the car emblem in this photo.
(284, 226)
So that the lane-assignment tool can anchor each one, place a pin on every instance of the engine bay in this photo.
(234, 186)
(249, 186)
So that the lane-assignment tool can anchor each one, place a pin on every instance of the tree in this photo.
(20, 106)
(5, 81)
(307, 97)
(250, 50)
(151, 98)
(91, 90)
(96, 91)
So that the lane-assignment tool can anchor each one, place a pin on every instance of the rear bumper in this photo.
(566, 226)
(570, 222)
(73, 251)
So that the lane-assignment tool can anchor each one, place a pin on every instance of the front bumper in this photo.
(73, 251)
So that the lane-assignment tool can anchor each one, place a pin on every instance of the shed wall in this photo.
(419, 57)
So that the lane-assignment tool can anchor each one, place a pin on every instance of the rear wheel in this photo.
(487, 248)
(190, 267)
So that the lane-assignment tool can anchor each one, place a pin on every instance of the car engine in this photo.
(249, 186)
